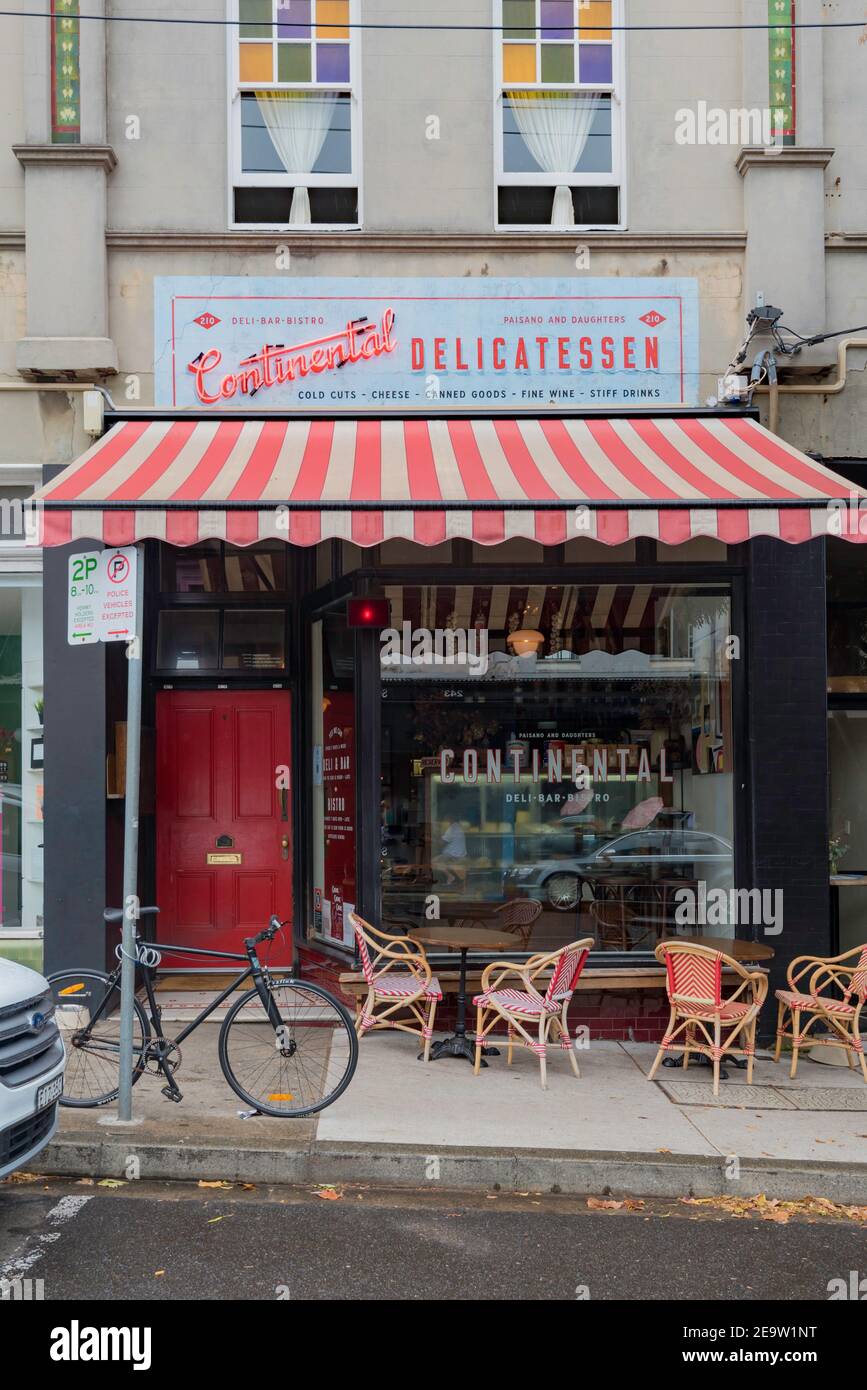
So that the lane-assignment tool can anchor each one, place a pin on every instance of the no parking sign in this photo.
(101, 596)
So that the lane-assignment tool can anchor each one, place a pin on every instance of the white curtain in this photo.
(555, 126)
(298, 123)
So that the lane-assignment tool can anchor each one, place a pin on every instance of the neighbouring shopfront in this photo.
(587, 672)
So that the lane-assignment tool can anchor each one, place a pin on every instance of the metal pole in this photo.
(130, 847)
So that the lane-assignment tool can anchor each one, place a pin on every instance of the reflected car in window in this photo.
(644, 855)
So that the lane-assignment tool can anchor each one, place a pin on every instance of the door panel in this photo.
(218, 752)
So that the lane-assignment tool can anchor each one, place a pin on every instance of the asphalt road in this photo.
(157, 1241)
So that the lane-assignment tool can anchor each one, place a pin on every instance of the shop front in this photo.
(449, 660)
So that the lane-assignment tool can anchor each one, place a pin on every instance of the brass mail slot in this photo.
(224, 857)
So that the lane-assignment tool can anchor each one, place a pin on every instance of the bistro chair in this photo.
(616, 926)
(839, 1012)
(693, 983)
(516, 916)
(520, 1009)
(401, 991)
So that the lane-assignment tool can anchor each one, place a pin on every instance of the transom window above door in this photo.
(294, 113)
(559, 129)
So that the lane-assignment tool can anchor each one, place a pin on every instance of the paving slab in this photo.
(210, 1110)
(394, 1099)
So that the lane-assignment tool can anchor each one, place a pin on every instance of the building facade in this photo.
(519, 168)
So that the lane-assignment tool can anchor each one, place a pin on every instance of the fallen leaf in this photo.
(111, 1182)
(603, 1204)
(663, 1151)
(634, 1204)
(158, 1273)
(212, 1220)
(329, 1195)
(220, 1183)
(84, 1182)
(776, 1209)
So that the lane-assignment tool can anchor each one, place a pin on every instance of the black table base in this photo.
(700, 1060)
(459, 1045)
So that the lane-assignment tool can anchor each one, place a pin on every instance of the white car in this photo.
(32, 1059)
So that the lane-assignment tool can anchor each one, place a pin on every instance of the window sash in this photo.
(239, 178)
(615, 89)
(244, 178)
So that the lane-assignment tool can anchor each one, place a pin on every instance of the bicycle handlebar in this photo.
(270, 931)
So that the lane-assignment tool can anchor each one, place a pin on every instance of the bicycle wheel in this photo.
(296, 1068)
(87, 1013)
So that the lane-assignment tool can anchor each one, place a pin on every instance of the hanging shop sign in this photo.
(332, 344)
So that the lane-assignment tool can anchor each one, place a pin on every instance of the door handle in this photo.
(284, 847)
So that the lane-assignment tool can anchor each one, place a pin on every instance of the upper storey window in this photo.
(559, 84)
(295, 120)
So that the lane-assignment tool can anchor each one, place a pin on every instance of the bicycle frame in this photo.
(254, 971)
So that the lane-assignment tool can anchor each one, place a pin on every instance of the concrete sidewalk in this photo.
(401, 1122)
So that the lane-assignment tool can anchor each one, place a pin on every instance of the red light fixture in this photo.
(368, 612)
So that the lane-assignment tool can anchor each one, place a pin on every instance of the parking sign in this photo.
(101, 596)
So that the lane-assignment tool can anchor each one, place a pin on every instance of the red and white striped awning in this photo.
(427, 480)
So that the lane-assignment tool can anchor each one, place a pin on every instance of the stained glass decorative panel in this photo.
(294, 62)
(595, 63)
(294, 41)
(332, 62)
(519, 19)
(330, 13)
(519, 62)
(594, 19)
(558, 19)
(293, 19)
(558, 62)
(256, 62)
(255, 17)
(65, 73)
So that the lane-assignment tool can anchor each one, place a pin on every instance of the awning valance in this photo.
(428, 480)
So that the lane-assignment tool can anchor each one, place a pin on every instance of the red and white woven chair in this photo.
(523, 1009)
(704, 1021)
(839, 1012)
(517, 916)
(401, 992)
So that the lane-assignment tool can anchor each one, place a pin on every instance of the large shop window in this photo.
(560, 117)
(568, 747)
(294, 116)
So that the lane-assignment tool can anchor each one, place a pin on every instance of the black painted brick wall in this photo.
(788, 762)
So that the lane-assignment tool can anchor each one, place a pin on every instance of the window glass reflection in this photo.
(569, 746)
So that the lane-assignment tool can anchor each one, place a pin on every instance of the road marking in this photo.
(18, 1265)
(66, 1208)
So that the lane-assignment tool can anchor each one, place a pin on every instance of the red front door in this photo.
(224, 830)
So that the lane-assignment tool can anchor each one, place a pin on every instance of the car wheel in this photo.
(564, 891)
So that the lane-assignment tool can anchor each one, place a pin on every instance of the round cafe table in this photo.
(463, 939)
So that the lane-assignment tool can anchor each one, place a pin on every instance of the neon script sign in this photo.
(274, 364)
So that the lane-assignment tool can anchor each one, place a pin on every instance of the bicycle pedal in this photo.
(172, 1093)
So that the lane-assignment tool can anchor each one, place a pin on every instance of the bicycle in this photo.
(287, 1047)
